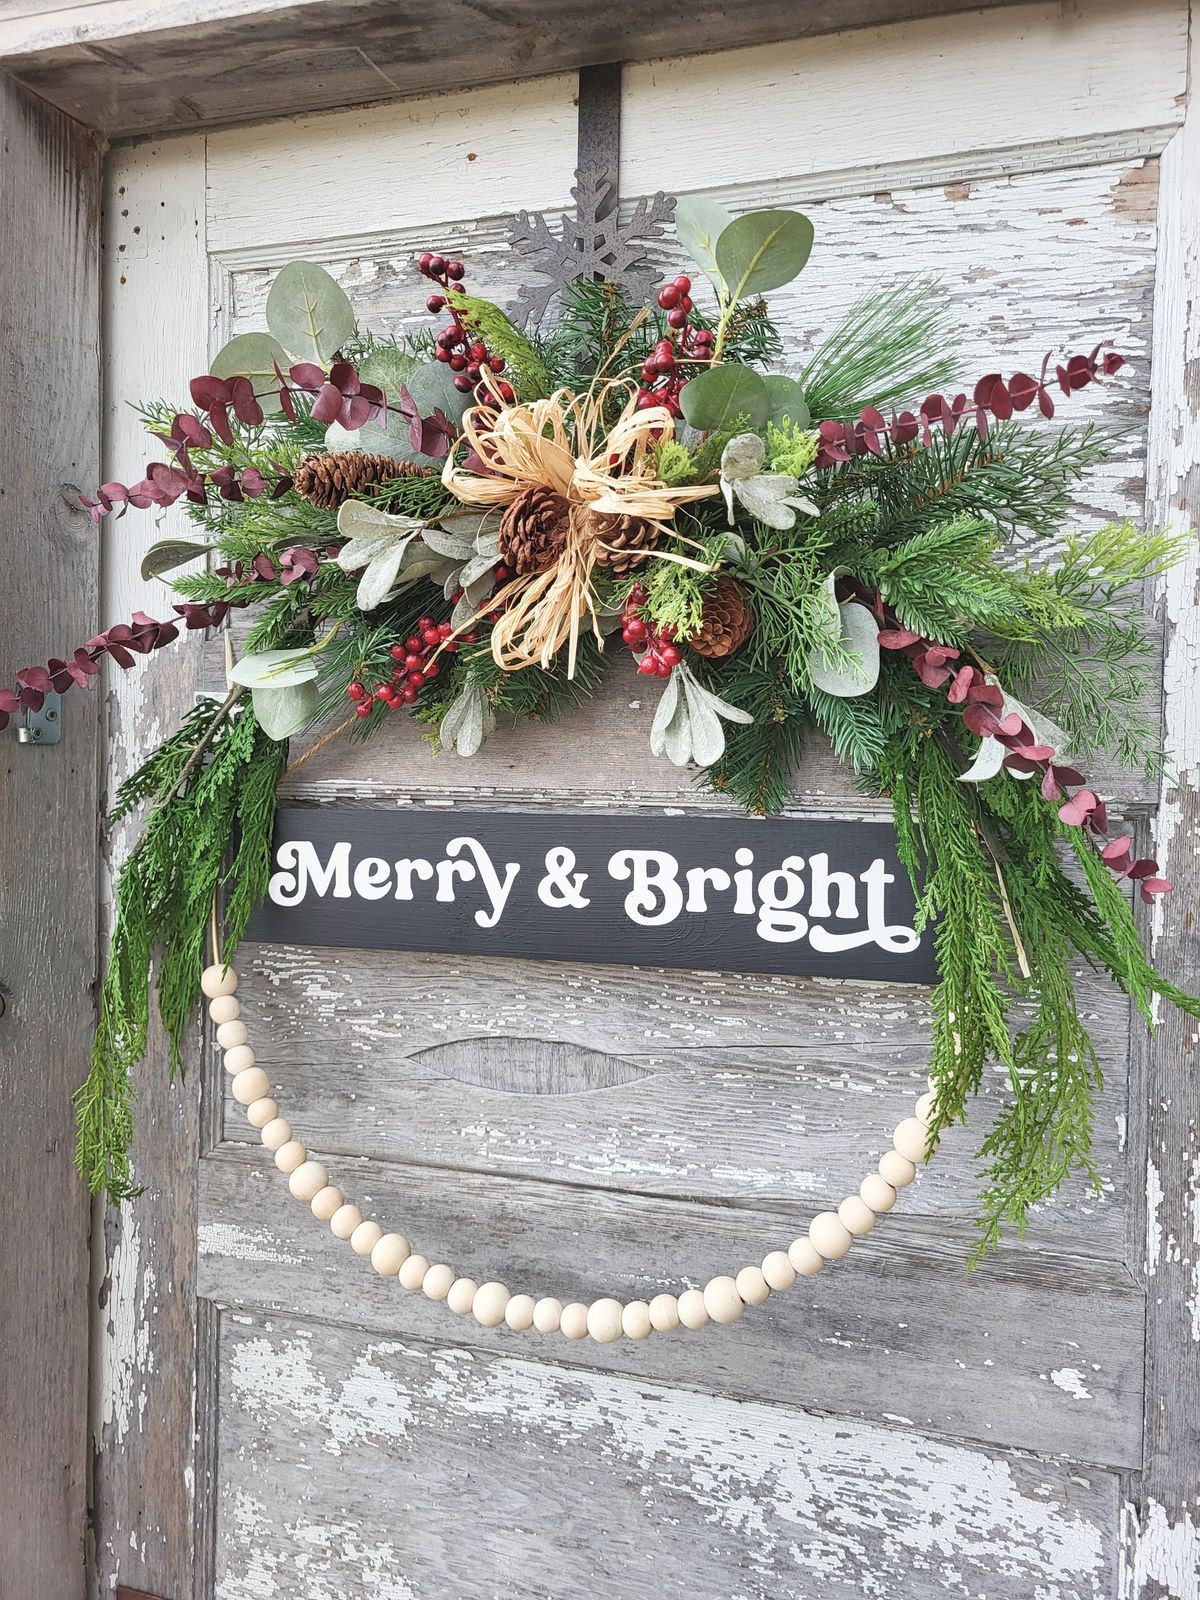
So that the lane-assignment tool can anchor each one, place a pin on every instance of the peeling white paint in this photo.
(1070, 1381)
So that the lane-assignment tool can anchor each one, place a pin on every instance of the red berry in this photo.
(356, 691)
(412, 661)
(671, 654)
(416, 679)
(455, 270)
(425, 622)
(364, 708)
(683, 283)
(437, 265)
(497, 363)
(413, 642)
(501, 573)
(424, 260)
(462, 383)
(445, 629)
(686, 303)
(678, 317)
(507, 393)
(473, 372)
(397, 652)
(435, 302)
(432, 670)
(408, 695)
(634, 631)
(645, 400)
(431, 634)
(479, 352)
(646, 665)
(470, 638)
(441, 353)
(668, 296)
(458, 362)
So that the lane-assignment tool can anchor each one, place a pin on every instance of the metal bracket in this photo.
(44, 726)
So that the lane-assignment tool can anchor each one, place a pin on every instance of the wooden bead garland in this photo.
(722, 1300)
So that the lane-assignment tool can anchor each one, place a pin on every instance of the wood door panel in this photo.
(1039, 1350)
(747, 1088)
(346, 1458)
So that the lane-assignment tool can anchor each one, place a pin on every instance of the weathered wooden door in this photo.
(273, 1419)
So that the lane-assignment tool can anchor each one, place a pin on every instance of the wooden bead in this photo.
(389, 1253)
(752, 1286)
(635, 1320)
(573, 1322)
(435, 1285)
(217, 981)
(238, 1059)
(365, 1237)
(896, 1169)
(604, 1321)
(308, 1180)
(225, 1009)
(518, 1313)
(664, 1313)
(250, 1086)
(692, 1311)
(547, 1314)
(461, 1296)
(829, 1235)
(326, 1201)
(344, 1221)
(261, 1112)
(807, 1261)
(413, 1270)
(855, 1214)
(277, 1133)
(291, 1155)
(490, 1304)
(910, 1139)
(877, 1193)
(924, 1108)
(777, 1270)
(231, 1033)
(722, 1301)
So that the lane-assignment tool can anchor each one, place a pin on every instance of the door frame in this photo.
(57, 108)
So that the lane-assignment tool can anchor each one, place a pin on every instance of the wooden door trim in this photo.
(50, 377)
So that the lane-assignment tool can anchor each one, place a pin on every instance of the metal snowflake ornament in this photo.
(590, 244)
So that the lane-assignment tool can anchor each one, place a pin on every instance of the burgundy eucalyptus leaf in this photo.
(1149, 887)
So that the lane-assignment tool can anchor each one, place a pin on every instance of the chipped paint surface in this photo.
(751, 1500)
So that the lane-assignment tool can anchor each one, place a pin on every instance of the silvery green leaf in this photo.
(677, 736)
(468, 721)
(282, 712)
(723, 709)
(379, 579)
(733, 551)
(859, 639)
(823, 606)
(707, 735)
(699, 223)
(254, 356)
(664, 711)
(356, 518)
(743, 456)
(309, 313)
(475, 570)
(378, 439)
(769, 498)
(987, 763)
(464, 609)
(1044, 731)
(447, 543)
(276, 669)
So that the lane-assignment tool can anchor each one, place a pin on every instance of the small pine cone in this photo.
(727, 621)
(533, 530)
(622, 542)
(340, 475)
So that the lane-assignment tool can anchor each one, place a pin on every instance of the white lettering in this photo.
(777, 922)
(698, 879)
(655, 897)
(497, 888)
(289, 887)
(372, 878)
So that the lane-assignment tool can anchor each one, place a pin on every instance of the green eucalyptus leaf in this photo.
(859, 639)
(699, 223)
(280, 713)
(253, 356)
(763, 250)
(309, 313)
(787, 400)
(168, 554)
(389, 367)
(391, 440)
(274, 669)
(717, 398)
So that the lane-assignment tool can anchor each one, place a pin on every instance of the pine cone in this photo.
(727, 621)
(622, 542)
(533, 530)
(340, 475)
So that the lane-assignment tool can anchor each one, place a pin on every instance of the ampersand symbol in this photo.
(562, 885)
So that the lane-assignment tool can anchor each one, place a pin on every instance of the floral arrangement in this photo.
(476, 523)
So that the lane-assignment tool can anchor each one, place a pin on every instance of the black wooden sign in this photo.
(822, 898)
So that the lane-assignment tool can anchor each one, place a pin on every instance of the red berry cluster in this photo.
(661, 376)
(413, 670)
(463, 352)
(656, 647)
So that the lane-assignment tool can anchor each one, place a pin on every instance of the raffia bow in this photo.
(561, 443)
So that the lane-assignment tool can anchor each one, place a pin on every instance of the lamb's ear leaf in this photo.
(308, 313)
(281, 713)
(707, 734)
(168, 554)
(664, 712)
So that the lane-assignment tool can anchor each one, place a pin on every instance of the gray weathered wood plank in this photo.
(346, 1454)
(1039, 1350)
(49, 369)
(132, 67)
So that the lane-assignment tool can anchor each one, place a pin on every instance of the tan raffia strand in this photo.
(562, 443)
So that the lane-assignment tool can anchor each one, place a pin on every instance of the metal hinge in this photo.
(44, 727)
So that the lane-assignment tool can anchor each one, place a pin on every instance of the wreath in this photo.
(475, 521)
